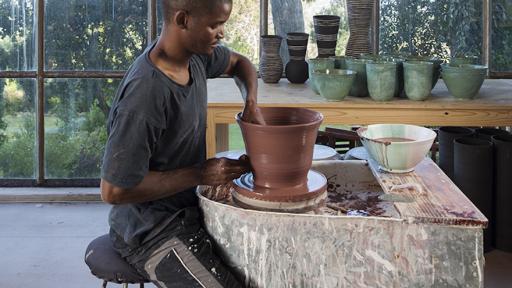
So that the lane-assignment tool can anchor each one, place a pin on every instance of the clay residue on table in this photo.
(341, 200)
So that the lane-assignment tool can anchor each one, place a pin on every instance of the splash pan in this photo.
(246, 195)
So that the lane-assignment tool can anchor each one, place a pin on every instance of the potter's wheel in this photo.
(293, 199)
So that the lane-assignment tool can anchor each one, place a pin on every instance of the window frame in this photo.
(40, 75)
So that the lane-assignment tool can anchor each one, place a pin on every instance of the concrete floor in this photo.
(42, 245)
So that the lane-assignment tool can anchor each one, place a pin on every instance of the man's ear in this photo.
(181, 19)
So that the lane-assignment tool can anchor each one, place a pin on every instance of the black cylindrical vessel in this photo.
(446, 136)
(326, 30)
(473, 174)
(487, 133)
(503, 191)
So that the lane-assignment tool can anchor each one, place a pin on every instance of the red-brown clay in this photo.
(281, 152)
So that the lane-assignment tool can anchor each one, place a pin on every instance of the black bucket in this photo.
(446, 136)
(473, 174)
(503, 191)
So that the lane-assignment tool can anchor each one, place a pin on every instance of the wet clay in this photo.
(281, 153)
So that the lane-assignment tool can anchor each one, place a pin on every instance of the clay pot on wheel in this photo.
(281, 153)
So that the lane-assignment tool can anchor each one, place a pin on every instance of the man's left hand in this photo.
(252, 114)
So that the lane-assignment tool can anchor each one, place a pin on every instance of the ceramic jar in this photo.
(418, 79)
(359, 20)
(360, 86)
(326, 30)
(271, 64)
(381, 77)
(296, 69)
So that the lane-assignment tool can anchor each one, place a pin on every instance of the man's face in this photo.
(206, 29)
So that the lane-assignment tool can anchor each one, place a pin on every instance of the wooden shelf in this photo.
(492, 107)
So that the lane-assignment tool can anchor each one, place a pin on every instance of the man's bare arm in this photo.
(157, 185)
(246, 79)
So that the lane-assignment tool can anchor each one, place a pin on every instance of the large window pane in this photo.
(94, 34)
(304, 11)
(17, 27)
(75, 126)
(501, 56)
(242, 29)
(442, 28)
(17, 129)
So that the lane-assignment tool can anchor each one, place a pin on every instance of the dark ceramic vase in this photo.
(473, 174)
(271, 64)
(296, 69)
(503, 191)
(446, 137)
(326, 30)
(359, 20)
(281, 152)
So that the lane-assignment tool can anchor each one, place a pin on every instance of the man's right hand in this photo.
(217, 171)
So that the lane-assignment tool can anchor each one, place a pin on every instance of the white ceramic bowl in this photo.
(398, 148)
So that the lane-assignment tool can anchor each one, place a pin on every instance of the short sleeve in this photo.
(217, 62)
(130, 144)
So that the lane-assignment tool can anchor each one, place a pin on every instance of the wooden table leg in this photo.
(211, 132)
(222, 138)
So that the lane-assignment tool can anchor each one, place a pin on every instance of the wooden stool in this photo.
(106, 264)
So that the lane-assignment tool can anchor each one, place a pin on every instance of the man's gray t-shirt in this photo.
(156, 124)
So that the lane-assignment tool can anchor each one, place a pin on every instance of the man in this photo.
(155, 153)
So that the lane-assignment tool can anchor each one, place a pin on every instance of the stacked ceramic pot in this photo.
(359, 21)
(479, 162)
(271, 64)
(296, 69)
(326, 30)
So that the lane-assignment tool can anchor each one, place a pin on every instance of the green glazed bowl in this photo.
(434, 60)
(318, 64)
(463, 84)
(360, 87)
(463, 60)
(466, 68)
(334, 84)
(339, 61)
(381, 76)
(418, 79)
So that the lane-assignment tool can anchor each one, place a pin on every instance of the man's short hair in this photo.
(171, 6)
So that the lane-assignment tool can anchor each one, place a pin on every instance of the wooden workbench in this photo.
(492, 107)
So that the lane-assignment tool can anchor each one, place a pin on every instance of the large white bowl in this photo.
(392, 155)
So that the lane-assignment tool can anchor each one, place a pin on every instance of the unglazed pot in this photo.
(281, 152)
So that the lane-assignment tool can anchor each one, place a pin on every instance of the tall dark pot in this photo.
(296, 69)
(473, 174)
(446, 137)
(503, 191)
(326, 30)
(271, 64)
(359, 20)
